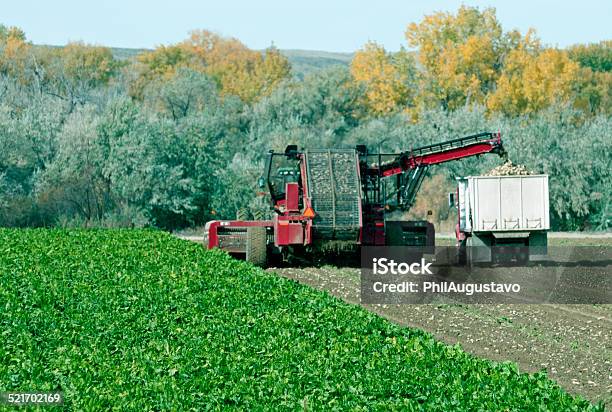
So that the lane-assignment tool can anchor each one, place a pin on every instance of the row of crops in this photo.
(139, 320)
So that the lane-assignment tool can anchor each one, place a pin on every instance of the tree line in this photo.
(177, 135)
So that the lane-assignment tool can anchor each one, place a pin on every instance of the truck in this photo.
(502, 218)
(340, 198)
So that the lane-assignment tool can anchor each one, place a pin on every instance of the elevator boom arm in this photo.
(441, 152)
(410, 167)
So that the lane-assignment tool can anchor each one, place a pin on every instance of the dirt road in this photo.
(572, 343)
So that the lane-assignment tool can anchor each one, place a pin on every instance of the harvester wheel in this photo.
(256, 246)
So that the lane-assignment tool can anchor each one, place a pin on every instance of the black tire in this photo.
(462, 254)
(469, 251)
(256, 246)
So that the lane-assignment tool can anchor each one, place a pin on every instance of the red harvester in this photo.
(340, 197)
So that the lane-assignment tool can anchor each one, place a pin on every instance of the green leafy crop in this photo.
(139, 320)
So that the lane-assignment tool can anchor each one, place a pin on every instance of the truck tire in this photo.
(469, 251)
(256, 246)
(462, 253)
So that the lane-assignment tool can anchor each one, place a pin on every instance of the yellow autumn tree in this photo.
(238, 70)
(158, 64)
(594, 85)
(273, 69)
(89, 64)
(65, 72)
(461, 55)
(14, 51)
(531, 81)
(388, 78)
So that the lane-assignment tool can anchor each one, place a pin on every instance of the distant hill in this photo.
(125, 54)
(302, 62)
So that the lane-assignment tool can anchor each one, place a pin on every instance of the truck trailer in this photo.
(502, 218)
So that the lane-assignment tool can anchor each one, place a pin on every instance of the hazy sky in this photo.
(332, 25)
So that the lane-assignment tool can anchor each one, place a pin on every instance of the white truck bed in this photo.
(503, 203)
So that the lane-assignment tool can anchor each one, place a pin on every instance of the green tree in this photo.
(595, 56)
(74, 181)
(29, 125)
(316, 112)
(187, 92)
(73, 72)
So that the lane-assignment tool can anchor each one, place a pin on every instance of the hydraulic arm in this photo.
(410, 167)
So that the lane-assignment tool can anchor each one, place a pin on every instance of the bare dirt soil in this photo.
(572, 343)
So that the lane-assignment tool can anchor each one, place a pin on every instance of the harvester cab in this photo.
(280, 169)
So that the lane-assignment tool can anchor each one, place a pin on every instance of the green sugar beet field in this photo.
(140, 320)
